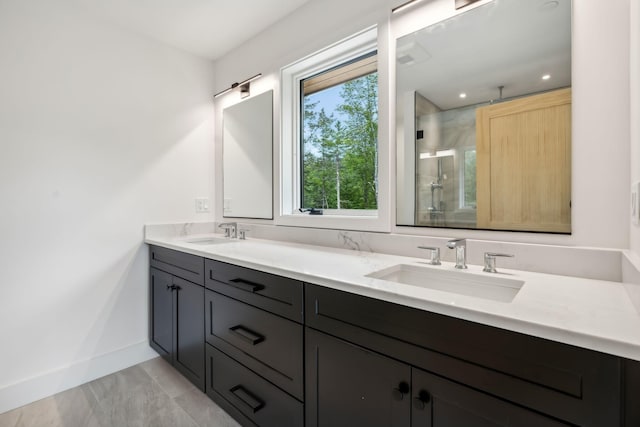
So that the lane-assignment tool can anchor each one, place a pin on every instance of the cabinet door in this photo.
(189, 347)
(161, 313)
(441, 403)
(349, 386)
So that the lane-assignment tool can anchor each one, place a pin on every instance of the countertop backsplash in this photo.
(631, 276)
(585, 262)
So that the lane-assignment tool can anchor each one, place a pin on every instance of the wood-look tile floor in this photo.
(151, 394)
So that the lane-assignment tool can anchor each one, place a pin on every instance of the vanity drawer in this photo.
(567, 382)
(257, 399)
(187, 266)
(279, 295)
(268, 344)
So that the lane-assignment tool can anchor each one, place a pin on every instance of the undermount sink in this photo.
(458, 282)
(209, 241)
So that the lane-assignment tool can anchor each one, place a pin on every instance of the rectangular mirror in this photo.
(247, 158)
(484, 119)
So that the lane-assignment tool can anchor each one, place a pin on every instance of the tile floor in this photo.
(151, 394)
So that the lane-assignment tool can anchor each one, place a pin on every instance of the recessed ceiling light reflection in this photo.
(546, 77)
(463, 95)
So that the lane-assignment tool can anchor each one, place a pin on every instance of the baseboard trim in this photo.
(45, 385)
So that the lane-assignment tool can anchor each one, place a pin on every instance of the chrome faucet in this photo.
(230, 229)
(460, 246)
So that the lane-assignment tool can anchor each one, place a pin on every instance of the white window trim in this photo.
(291, 76)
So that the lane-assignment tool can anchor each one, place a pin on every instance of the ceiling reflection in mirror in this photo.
(484, 119)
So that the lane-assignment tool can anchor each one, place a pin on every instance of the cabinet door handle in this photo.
(173, 287)
(247, 334)
(246, 285)
(247, 398)
(421, 401)
(402, 389)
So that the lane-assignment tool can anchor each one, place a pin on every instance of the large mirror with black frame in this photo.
(484, 119)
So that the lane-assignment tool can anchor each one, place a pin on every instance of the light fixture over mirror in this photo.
(459, 4)
(491, 88)
(244, 87)
(405, 6)
(463, 3)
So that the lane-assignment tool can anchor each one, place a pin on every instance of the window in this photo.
(339, 141)
(331, 155)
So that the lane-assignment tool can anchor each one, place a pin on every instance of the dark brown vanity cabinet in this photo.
(461, 373)
(437, 402)
(349, 385)
(274, 352)
(176, 323)
(254, 335)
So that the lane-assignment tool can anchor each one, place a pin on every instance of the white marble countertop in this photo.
(593, 314)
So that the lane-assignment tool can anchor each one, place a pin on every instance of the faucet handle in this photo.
(229, 229)
(490, 261)
(435, 254)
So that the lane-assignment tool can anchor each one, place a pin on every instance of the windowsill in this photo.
(338, 222)
(346, 213)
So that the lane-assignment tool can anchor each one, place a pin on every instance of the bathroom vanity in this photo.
(296, 335)
(176, 318)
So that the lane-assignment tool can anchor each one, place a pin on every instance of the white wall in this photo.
(101, 131)
(601, 119)
(635, 111)
(601, 123)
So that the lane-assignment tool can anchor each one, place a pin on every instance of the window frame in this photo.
(366, 61)
(291, 105)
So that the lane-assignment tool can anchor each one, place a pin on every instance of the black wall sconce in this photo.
(462, 3)
(404, 6)
(244, 87)
(459, 4)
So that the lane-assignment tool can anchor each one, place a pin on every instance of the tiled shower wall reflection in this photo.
(440, 150)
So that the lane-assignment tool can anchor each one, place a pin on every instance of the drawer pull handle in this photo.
(247, 398)
(246, 285)
(247, 335)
